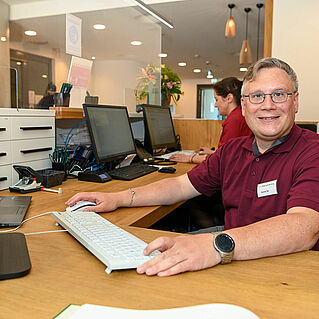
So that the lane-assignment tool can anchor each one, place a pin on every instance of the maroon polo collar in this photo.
(283, 147)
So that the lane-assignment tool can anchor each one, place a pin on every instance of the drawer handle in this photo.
(2, 129)
(3, 178)
(3, 154)
(36, 150)
(34, 128)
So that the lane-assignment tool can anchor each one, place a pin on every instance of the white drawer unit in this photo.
(5, 176)
(5, 128)
(28, 128)
(30, 150)
(27, 137)
(5, 153)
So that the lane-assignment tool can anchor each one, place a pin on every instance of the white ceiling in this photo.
(199, 27)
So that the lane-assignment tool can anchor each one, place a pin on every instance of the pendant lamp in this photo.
(230, 30)
(245, 52)
(259, 6)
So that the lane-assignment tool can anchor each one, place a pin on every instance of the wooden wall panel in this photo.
(198, 132)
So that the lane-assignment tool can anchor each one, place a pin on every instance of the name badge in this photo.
(267, 189)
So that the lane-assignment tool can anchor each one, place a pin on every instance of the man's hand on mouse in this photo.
(105, 202)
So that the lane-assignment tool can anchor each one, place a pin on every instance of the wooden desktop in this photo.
(63, 272)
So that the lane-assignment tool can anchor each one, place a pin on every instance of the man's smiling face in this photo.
(268, 120)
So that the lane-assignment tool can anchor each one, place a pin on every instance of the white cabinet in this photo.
(27, 137)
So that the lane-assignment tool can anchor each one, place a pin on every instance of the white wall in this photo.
(295, 40)
(110, 79)
(187, 104)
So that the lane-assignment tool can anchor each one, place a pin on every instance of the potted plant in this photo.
(170, 84)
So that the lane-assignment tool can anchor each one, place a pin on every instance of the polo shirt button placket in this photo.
(257, 159)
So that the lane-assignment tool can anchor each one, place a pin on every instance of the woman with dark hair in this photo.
(227, 93)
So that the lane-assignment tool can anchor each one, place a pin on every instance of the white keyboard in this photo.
(112, 245)
(168, 155)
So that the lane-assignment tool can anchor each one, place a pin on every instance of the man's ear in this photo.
(243, 107)
(296, 102)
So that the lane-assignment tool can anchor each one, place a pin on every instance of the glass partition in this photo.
(117, 68)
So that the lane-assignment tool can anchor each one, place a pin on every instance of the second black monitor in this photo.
(159, 128)
(110, 132)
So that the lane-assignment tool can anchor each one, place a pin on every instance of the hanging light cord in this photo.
(247, 10)
(259, 6)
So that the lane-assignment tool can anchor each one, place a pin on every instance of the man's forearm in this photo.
(165, 192)
(283, 234)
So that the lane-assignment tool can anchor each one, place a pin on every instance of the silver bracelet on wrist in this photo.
(132, 197)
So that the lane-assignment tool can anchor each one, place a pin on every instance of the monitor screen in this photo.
(159, 128)
(110, 131)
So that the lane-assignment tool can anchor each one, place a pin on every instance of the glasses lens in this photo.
(279, 96)
(256, 98)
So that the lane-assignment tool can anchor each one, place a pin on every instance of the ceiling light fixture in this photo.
(99, 26)
(245, 52)
(44, 76)
(3, 39)
(30, 33)
(197, 70)
(19, 63)
(242, 69)
(135, 42)
(209, 74)
(162, 55)
(230, 30)
(93, 58)
(259, 6)
(182, 63)
(153, 13)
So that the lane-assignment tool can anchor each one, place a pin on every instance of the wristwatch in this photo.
(225, 245)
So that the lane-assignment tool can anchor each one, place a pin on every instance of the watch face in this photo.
(225, 243)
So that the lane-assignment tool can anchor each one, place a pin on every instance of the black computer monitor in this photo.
(110, 132)
(159, 128)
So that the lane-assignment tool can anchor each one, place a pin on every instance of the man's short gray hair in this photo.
(269, 63)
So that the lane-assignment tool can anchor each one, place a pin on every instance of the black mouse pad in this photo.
(14, 256)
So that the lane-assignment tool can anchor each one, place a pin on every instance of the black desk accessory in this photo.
(94, 176)
(13, 210)
(14, 260)
(167, 169)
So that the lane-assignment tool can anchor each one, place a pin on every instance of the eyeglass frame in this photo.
(271, 96)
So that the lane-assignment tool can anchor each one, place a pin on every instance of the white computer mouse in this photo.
(80, 206)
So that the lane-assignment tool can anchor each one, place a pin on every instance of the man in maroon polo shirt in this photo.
(269, 184)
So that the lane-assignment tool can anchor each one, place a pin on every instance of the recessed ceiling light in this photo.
(162, 55)
(243, 69)
(3, 39)
(182, 63)
(99, 26)
(93, 57)
(135, 42)
(44, 76)
(31, 33)
(197, 70)
(19, 63)
(209, 74)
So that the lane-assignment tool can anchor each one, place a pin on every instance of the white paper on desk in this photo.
(127, 161)
(209, 311)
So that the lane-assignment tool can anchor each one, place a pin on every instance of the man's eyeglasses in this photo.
(276, 97)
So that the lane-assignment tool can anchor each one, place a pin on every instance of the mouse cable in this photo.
(11, 230)
(47, 232)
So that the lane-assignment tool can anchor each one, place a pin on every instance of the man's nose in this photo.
(268, 102)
